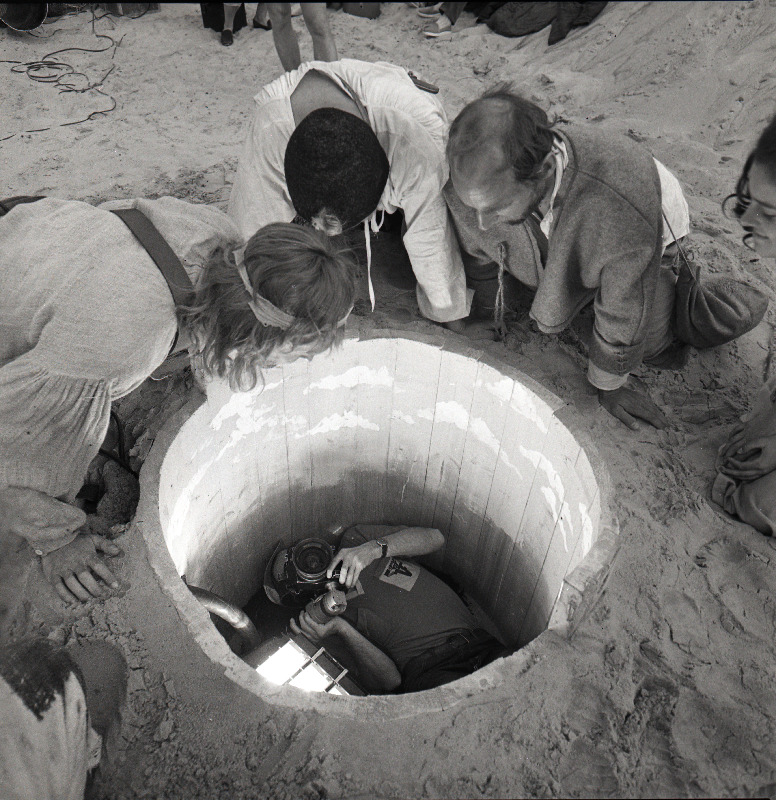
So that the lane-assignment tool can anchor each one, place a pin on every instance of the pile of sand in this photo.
(667, 688)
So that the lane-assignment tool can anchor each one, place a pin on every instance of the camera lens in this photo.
(311, 558)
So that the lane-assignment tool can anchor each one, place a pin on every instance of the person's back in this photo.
(392, 123)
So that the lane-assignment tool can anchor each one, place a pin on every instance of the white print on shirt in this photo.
(400, 573)
(353, 593)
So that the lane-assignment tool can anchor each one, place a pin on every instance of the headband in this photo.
(264, 311)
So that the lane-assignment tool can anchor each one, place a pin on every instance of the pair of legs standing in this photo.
(314, 14)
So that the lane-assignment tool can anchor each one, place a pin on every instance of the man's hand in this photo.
(313, 630)
(74, 569)
(628, 405)
(486, 330)
(747, 459)
(353, 560)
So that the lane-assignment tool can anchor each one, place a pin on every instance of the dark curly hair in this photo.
(764, 153)
(299, 270)
(520, 127)
(336, 170)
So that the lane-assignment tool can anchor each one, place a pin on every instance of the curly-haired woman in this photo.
(746, 483)
(86, 316)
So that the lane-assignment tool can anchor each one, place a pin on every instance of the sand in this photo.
(667, 688)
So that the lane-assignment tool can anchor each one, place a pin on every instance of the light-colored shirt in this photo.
(85, 318)
(411, 127)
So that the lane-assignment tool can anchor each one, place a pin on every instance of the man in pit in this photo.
(404, 629)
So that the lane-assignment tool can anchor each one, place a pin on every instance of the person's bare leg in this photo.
(317, 22)
(230, 12)
(283, 35)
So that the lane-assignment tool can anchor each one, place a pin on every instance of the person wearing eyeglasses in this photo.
(745, 485)
(86, 315)
(583, 217)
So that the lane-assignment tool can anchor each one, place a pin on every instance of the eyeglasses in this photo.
(734, 206)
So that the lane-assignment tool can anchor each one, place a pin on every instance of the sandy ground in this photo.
(668, 687)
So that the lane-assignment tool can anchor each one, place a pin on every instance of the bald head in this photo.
(500, 130)
(499, 153)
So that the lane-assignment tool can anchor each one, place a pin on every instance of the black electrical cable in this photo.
(122, 458)
(47, 70)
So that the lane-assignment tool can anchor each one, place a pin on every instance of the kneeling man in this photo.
(581, 216)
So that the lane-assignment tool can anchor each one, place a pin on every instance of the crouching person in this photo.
(403, 628)
(582, 216)
(331, 144)
(60, 712)
(91, 305)
(746, 481)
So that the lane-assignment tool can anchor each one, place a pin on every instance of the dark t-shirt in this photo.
(398, 605)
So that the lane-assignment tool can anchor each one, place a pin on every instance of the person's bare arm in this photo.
(67, 541)
(376, 671)
(406, 542)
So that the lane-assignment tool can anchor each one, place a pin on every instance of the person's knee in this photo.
(315, 19)
(756, 504)
(279, 14)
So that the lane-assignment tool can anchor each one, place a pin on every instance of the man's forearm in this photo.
(414, 541)
(376, 670)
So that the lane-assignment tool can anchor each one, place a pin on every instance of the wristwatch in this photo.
(384, 546)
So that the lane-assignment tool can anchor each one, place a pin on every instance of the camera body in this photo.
(299, 572)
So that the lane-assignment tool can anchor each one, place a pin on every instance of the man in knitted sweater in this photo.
(578, 215)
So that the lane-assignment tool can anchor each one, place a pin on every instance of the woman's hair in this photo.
(299, 270)
(335, 169)
(519, 127)
(764, 154)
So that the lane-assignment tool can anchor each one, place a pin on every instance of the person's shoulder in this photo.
(604, 152)
(612, 171)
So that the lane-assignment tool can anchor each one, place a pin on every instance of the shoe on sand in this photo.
(227, 38)
(265, 26)
(440, 29)
(430, 12)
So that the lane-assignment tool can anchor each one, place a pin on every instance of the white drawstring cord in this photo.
(371, 222)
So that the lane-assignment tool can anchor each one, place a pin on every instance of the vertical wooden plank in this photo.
(525, 428)
(298, 458)
(250, 446)
(332, 430)
(541, 514)
(374, 401)
(455, 389)
(568, 529)
(487, 417)
(414, 394)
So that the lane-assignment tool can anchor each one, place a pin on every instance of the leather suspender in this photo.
(162, 254)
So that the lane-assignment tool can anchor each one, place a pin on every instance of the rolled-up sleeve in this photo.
(259, 195)
(418, 175)
(51, 427)
(623, 303)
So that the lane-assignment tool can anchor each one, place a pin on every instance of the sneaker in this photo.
(441, 29)
(430, 12)
(227, 38)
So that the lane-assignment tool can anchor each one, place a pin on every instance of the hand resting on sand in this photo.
(629, 405)
(77, 571)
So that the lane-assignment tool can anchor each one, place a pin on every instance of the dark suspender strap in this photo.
(162, 254)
